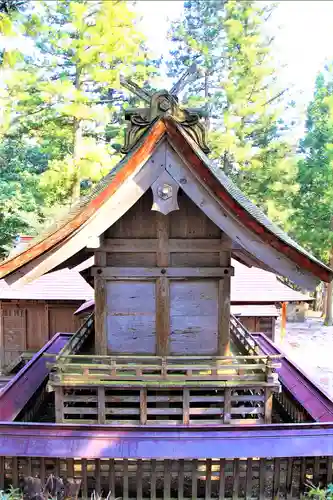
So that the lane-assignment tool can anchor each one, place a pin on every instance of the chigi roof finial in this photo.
(163, 103)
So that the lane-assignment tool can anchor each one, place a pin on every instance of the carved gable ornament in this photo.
(162, 103)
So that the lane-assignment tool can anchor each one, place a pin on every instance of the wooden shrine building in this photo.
(32, 314)
(156, 386)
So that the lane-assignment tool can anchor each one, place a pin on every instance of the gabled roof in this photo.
(257, 241)
(64, 285)
(253, 285)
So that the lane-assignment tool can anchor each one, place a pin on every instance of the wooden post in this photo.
(162, 287)
(59, 404)
(224, 301)
(329, 290)
(283, 320)
(101, 342)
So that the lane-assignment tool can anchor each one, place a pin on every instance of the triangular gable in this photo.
(255, 239)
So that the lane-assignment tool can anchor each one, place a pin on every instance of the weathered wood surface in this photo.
(131, 317)
(25, 383)
(191, 406)
(25, 326)
(194, 317)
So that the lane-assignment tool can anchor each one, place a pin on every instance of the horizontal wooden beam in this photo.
(105, 441)
(119, 245)
(157, 272)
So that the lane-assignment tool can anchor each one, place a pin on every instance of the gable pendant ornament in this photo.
(162, 103)
(165, 194)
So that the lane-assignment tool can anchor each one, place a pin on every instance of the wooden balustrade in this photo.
(243, 337)
(154, 390)
(202, 479)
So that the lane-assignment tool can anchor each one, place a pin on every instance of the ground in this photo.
(310, 346)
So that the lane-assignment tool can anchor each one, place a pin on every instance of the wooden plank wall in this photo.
(261, 324)
(28, 325)
(155, 313)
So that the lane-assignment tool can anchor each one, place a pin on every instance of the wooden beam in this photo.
(156, 272)
(143, 245)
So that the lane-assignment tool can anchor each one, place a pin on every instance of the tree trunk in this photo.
(207, 119)
(329, 289)
(77, 139)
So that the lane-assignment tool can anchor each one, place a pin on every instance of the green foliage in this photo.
(11, 494)
(238, 86)
(313, 204)
(317, 493)
(61, 103)
(20, 168)
(66, 92)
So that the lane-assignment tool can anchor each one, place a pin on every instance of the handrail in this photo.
(124, 441)
(77, 340)
(244, 336)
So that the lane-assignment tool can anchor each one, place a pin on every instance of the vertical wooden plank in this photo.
(162, 235)
(224, 301)
(167, 480)
(276, 479)
(47, 321)
(186, 406)
(316, 468)
(329, 465)
(153, 480)
(84, 478)
(162, 286)
(208, 488)
(2, 340)
(125, 479)
(101, 405)
(29, 466)
(57, 467)
(100, 316)
(262, 478)
(248, 487)
(302, 477)
(194, 479)
(2, 473)
(59, 404)
(222, 479)
(112, 479)
(42, 471)
(235, 488)
(181, 480)
(162, 316)
(15, 472)
(227, 406)
(268, 405)
(139, 477)
(98, 475)
(289, 478)
(143, 406)
(70, 467)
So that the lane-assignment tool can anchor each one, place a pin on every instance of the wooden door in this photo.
(194, 317)
(131, 322)
(14, 332)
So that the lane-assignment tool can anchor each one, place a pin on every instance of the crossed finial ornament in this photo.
(162, 103)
